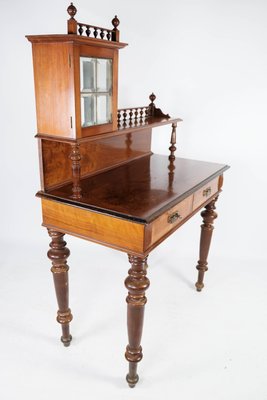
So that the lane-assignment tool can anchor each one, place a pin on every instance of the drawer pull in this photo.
(206, 192)
(174, 217)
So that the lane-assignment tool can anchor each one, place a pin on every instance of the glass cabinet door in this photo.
(96, 90)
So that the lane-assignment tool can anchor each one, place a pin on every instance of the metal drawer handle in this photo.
(206, 192)
(173, 217)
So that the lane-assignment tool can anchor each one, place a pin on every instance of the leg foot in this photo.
(199, 288)
(208, 215)
(136, 283)
(132, 378)
(66, 340)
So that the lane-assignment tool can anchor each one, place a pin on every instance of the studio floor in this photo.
(209, 345)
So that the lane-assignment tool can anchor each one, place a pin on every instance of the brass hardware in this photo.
(173, 217)
(206, 192)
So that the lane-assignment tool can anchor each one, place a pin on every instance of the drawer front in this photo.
(170, 219)
(206, 192)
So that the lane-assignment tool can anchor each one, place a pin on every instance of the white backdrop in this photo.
(206, 61)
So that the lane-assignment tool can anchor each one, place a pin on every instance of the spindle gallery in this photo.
(100, 180)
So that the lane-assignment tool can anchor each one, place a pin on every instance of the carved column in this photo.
(208, 215)
(75, 157)
(58, 254)
(172, 148)
(136, 283)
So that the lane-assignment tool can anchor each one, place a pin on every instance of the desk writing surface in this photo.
(142, 189)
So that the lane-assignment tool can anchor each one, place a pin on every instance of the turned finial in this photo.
(72, 10)
(115, 35)
(152, 107)
(115, 22)
(152, 97)
(72, 23)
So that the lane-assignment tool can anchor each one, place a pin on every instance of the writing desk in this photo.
(99, 178)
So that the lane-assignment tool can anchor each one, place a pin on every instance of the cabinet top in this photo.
(75, 39)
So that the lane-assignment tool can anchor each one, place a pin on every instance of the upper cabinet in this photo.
(76, 80)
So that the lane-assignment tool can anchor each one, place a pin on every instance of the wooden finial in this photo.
(72, 10)
(151, 107)
(115, 32)
(72, 23)
(115, 22)
(152, 97)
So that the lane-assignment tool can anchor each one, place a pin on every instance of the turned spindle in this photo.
(171, 168)
(75, 157)
(172, 148)
(136, 283)
(208, 215)
(58, 254)
(87, 31)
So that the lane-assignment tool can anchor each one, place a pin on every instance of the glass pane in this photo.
(88, 109)
(88, 74)
(96, 90)
(104, 75)
(103, 109)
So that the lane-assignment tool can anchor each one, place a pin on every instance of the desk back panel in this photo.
(97, 156)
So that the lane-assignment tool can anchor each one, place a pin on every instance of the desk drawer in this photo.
(206, 192)
(170, 219)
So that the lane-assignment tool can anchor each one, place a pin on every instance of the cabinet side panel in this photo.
(56, 163)
(54, 89)
(41, 164)
(97, 156)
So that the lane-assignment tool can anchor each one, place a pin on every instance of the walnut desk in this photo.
(131, 207)
(99, 178)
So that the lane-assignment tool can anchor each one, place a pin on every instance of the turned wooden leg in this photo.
(58, 254)
(136, 283)
(208, 216)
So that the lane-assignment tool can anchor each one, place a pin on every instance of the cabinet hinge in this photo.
(71, 122)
